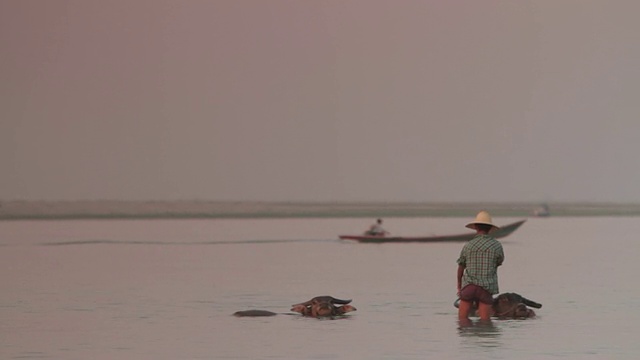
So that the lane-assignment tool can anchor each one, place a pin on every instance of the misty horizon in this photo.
(349, 101)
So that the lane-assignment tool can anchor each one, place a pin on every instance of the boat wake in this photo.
(180, 243)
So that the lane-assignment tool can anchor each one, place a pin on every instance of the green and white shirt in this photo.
(481, 257)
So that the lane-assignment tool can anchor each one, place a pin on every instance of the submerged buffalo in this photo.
(323, 306)
(511, 306)
(254, 313)
(319, 306)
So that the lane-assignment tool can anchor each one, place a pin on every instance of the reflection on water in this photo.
(480, 332)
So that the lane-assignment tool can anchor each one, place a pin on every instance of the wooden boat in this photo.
(500, 233)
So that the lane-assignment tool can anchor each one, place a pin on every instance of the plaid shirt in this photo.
(481, 257)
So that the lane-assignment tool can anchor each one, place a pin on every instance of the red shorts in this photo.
(475, 293)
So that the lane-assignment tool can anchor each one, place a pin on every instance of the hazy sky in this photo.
(365, 100)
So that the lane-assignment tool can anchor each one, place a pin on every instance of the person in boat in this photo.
(376, 229)
(478, 269)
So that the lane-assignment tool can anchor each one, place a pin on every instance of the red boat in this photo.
(500, 233)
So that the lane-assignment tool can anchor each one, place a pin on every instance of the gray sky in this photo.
(365, 100)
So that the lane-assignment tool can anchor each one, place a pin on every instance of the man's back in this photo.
(481, 257)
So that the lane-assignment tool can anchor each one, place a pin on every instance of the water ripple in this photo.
(152, 242)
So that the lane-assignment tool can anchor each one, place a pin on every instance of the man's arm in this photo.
(460, 272)
(500, 259)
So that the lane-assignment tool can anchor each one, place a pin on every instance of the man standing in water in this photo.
(478, 269)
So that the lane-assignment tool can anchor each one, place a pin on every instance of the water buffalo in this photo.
(511, 306)
(319, 306)
(323, 306)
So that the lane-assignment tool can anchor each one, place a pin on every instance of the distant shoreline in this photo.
(56, 210)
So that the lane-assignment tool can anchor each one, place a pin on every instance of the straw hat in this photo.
(483, 217)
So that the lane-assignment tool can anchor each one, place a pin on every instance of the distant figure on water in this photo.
(478, 269)
(376, 229)
(541, 211)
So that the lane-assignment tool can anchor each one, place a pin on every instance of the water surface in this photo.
(166, 289)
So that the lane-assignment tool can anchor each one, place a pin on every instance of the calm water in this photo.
(166, 289)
